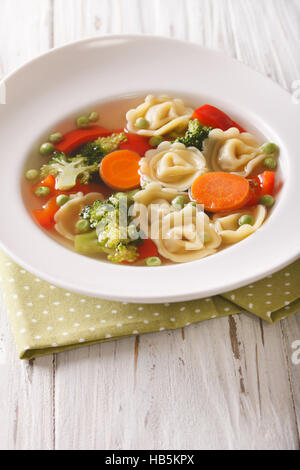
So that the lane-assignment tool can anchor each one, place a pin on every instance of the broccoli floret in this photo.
(113, 226)
(122, 253)
(195, 135)
(67, 170)
(95, 151)
(88, 244)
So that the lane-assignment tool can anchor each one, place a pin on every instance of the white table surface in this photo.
(224, 384)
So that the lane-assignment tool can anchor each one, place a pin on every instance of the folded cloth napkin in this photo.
(46, 319)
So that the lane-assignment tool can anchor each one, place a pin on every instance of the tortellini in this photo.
(228, 227)
(232, 151)
(173, 165)
(186, 235)
(152, 203)
(164, 115)
(67, 217)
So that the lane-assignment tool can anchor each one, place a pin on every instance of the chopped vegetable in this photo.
(82, 121)
(136, 143)
(142, 123)
(66, 171)
(270, 163)
(49, 182)
(156, 140)
(45, 216)
(55, 138)
(42, 191)
(31, 175)
(270, 148)
(220, 191)
(195, 135)
(94, 152)
(147, 249)
(94, 117)
(246, 220)
(119, 170)
(79, 137)
(267, 200)
(179, 202)
(47, 149)
(260, 185)
(111, 221)
(213, 117)
(82, 226)
(153, 261)
(87, 244)
(62, 200)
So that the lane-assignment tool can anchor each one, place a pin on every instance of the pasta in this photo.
(232, 151)
(186, 235)
(228, 227)
(173, 165)
(157, 201)
(163, 114)
(67, 217)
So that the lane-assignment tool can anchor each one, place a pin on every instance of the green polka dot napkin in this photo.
(47, 319)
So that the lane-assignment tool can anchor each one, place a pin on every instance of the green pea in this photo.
(156, 140)
(31, 174)
(46, 149)
(93, 117)
(193, 204)
(205, 237)
(42, 191)
(153, 261)
(55, 138)
(178, 202)
(82, 226)
(82, 121)
(267, 200)
(62, 200)
(269, 148)
(246, 220)
(142, 123)
(270, 163)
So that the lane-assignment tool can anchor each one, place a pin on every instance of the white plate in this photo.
(73, 77)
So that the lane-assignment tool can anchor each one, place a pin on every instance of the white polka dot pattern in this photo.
(46, 318)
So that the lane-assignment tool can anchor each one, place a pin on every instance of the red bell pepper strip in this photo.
(260, 185)
(45, 216)
(48, 182)
(213, 117)
(78, 137)
(136, 143)
(147, 249)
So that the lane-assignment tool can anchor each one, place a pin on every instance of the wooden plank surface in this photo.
(226, 383)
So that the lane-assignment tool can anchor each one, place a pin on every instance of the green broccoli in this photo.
(88, 244)
(195, 135)
(116, 234)
(95, 151)
(67, 170)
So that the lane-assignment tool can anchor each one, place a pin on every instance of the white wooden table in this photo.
(225, 384)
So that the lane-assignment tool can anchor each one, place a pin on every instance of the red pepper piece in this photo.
(213, 117)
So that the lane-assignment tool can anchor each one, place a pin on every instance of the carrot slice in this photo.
(220, 191)
(119, 170)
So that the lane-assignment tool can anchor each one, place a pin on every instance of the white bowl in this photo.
(78, 75)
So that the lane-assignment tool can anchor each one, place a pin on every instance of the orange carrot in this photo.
(220, 192)
(119, 170)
